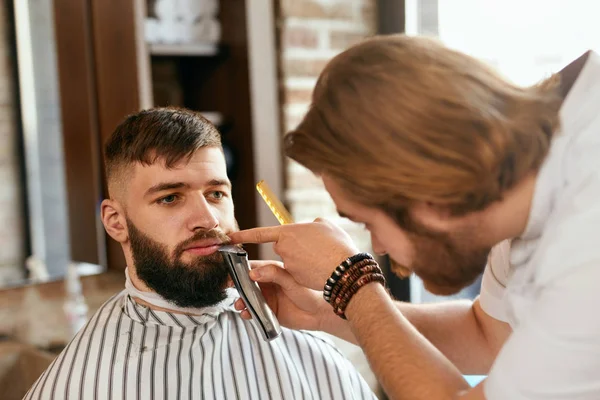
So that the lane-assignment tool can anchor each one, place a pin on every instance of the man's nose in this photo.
(203, 216)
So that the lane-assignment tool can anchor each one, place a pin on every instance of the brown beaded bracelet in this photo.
(350, 275)
(352, 278)
(348, 278)
(339, 271)
(340, 310)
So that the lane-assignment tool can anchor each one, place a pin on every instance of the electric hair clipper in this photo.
(264, 318)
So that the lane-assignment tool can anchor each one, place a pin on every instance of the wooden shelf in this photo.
(184, 49)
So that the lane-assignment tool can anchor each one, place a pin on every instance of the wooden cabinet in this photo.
(107, 71)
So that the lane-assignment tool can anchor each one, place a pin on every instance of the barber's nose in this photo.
(377, 247)
(203, 216)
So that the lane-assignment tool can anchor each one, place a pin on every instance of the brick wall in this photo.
(313, 31)
(11, 211)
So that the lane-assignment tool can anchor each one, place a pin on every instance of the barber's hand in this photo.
(310, 252)
(295, 306)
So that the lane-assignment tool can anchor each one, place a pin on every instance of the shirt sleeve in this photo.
(555, 352)
(495, 279)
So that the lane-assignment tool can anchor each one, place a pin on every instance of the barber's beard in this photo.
(447, 264)
(199, 283)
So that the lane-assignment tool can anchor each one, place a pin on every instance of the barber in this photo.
(455, 172)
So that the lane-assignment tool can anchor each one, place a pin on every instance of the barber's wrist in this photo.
(364, 296)
(348, 278)
(332, 262)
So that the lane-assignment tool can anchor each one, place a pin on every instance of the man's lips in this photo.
(204, 247)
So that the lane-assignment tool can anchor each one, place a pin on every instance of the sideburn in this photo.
(455, 269)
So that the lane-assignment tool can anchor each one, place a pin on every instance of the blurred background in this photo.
(71, 70)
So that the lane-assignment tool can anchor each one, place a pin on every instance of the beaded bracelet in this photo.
(348, 277)
(339, 271)
(340, 310)
(352, 273)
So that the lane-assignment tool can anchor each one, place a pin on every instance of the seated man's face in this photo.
(176, 219)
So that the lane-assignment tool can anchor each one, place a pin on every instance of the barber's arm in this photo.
(397, 351)
(407, 365)
(461, 330)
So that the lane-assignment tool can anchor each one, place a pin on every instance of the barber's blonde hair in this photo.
(398, 119)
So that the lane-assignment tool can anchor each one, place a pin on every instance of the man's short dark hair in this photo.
(166, 134)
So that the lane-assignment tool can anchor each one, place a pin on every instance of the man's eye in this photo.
(168, 199)
(218, 195)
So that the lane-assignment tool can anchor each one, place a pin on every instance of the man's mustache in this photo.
(202, 235)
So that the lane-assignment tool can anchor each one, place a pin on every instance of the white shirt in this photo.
(128, 351)
(546, 284)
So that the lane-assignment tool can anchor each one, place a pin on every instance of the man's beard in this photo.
(445, 263)
(199, 283)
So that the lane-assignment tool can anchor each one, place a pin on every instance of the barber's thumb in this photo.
(273, 274)
(257, 274)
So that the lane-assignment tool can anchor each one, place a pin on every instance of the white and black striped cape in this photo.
(127, 351)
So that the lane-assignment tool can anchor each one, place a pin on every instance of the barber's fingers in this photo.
(261, 263)
(241, 306)
(257, 235)
(274, 274)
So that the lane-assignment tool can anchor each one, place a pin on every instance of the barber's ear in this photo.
(113, 218)
(432, 215)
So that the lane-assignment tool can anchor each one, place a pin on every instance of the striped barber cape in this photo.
(128, 351)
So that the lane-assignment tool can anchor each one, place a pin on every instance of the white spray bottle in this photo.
(75, 307)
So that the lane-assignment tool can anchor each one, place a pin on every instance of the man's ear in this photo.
(113, 218)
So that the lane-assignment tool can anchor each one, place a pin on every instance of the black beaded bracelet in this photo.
(339, 271)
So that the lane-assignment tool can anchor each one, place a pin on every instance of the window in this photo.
(525, 41)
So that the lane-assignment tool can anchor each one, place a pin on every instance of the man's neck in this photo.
(156, 308)
(136, 281)
(142, 287)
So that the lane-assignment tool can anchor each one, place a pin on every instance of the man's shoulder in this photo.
(83, 353)
(106, 311)
(320, 337)
(106, 315)
(319, 342)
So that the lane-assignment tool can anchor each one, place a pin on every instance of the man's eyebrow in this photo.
(160, 187)
(220, 182)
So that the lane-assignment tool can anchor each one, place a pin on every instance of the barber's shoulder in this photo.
(495, 280)
(499, 262)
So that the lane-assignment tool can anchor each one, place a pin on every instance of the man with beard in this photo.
(173, 331)
(442, 160)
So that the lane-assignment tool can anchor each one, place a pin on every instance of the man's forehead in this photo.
(201, 168)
